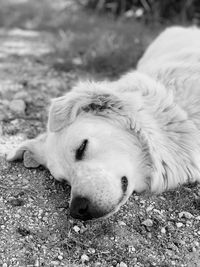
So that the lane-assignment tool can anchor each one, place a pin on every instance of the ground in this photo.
(44, 49)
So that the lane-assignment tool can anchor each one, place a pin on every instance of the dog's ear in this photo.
(63, 111)
(31, 151)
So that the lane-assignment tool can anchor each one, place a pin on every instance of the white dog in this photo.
(141, 132)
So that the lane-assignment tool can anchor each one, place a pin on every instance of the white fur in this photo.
(145, 126)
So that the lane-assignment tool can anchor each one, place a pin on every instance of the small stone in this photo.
(91, 250)
(185, 214)
(196, 243)
(4, 265)
(60, 257)
(131, 249)
(56, 263)
(179, 224)
(37, 263)
(114, 263)
(77, 61)
(22, 95)
(148, 223)
(84, 258)
(17, 106)
(122, 264)
(194, 249)
(76, 229)
(163, 230)
(149, 208)
(97, 264)
(197, 218)
(121, 223)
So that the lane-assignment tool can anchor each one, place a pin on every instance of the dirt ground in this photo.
(44, 49)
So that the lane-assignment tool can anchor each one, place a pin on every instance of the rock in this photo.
(179, 224)
(149, 208)
(185, 214)
(122, 264)
(163, 230)
(55, 263)
(76, 229)
(60, 257)
(131, 249)
(121, 223)
(91, 250)
(77, 61)
(17, 106)
(114, 263)
(196, 243)
(84, 258)
(148, 223)
(22, 95)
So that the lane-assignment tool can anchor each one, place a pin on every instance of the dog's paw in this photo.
(29, 161)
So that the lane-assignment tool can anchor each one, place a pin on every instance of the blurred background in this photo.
(101, 37)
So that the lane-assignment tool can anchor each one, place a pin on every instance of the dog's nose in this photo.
(81, 208)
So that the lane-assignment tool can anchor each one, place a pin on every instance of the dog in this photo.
(140, 132)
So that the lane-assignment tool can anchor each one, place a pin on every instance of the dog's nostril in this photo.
(124, 182)
(84, 209)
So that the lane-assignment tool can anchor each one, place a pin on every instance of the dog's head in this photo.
(95, 142)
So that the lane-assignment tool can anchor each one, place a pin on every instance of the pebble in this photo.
(4, 265)
(163, 230)
(131, 249)
(148, 223)
(91, 250)
(121, 223)
(76, 229)
(185, 214)
(77, 61)
(22, 95)
(55, 263)
(60, 257)
(179, 224)
(149, 208)
(196, 243)
(122, 264)
(17, 106)
(84, 258)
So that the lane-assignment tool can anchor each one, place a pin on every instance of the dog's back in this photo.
(174, 59)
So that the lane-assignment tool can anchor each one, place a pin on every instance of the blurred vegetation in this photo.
(99, 37)
(149, 10)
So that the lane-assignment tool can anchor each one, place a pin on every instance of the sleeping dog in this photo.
(141, 132)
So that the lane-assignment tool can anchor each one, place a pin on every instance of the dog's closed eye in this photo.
(81, 150)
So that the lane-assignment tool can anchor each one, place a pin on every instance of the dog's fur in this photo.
(144, 126)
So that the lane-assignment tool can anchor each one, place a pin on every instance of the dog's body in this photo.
(141, 132)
